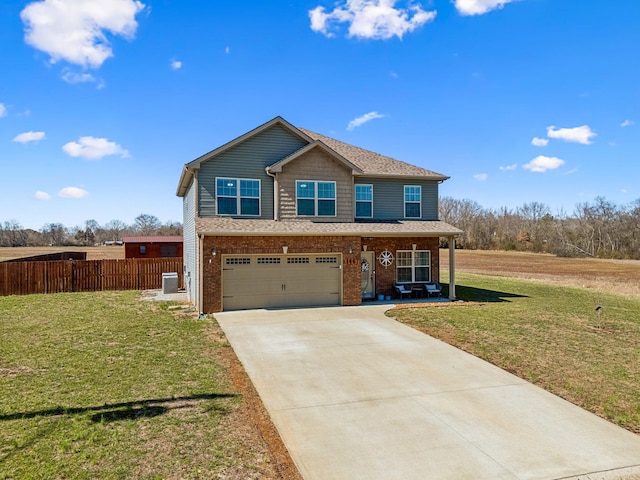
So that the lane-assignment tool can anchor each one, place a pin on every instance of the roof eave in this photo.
(236, 233)
(437, 178)
(185, 180)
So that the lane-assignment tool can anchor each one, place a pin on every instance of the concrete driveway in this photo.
(356, 395)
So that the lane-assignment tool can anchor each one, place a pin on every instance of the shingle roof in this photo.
(153, 239)
(372, 163)
(231, 226)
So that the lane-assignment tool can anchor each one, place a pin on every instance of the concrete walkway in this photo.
(356, 395)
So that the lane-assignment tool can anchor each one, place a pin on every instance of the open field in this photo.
(579, 343)
(104, 385)
(621, 276)
(93, 253)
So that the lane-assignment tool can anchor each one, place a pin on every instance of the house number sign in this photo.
(386, 258)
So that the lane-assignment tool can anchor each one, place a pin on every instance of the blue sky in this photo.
(102, 102)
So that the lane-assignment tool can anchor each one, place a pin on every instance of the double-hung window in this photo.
(316, 199)
(364, 201)
(412, 201)
(238, 196)
(413, 266)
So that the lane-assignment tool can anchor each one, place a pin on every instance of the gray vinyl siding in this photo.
(190, 253)
(247, 160)
(388, 198)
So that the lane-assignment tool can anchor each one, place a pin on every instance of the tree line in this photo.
(600, 228)
(12, 234)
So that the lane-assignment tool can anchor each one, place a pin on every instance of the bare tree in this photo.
(113, 230)
(146, 224)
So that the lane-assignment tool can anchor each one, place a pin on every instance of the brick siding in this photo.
(351, 273)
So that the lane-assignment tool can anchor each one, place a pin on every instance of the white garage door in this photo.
(271, 281)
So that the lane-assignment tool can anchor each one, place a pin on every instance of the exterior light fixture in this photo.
(214, 251)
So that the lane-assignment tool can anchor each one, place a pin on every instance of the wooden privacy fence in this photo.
(24, 278)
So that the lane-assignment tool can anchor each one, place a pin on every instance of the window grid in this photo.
(326, 260)
(315, 199)
(268, 260)
(238, 197)
(413, 266)
(238, 261)
(298, 260)
(364, 201)
(412, 201)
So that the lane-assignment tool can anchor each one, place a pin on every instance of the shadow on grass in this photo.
(123, 411)
(472, 294)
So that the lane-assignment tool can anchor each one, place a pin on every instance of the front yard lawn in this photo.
(103, 385)
(580, 344)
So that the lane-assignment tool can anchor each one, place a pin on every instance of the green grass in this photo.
(549, 335)
(102, 385)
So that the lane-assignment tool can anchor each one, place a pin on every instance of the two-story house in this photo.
(283, 217)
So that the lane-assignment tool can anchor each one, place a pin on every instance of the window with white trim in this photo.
(412, 201)
(364, 201)
(238, 196)
(413, 266)
(315, 199)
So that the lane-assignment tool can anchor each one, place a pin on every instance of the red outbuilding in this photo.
(152, 247)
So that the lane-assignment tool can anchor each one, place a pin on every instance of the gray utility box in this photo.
(170, 282)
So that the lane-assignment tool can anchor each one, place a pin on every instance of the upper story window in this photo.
(238, 196)
(364, 201)
(412, 201)
(316, 199)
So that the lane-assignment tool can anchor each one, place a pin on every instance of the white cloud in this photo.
(91, 148)
(627, 123)
(29, 136)
(367, 117)
(72, 192)
(74, 30)
(3, 110)
(75, 77)
(481, 177)
(176, 64)
(479, 7)
(581, 134)
(377, 19)
(542, 164)
(40, 195)
(508, 168)
(227, 50)
(539, 142)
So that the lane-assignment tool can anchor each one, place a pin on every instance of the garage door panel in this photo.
(281, 281)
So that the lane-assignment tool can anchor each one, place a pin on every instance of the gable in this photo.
(247, 159)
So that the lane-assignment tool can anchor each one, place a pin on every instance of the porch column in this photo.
(452, 268)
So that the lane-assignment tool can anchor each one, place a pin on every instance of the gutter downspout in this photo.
(276, 194)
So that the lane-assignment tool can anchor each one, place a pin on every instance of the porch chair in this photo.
(433, 289)
(402, 289)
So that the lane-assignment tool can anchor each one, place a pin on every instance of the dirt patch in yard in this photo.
(618, 276)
